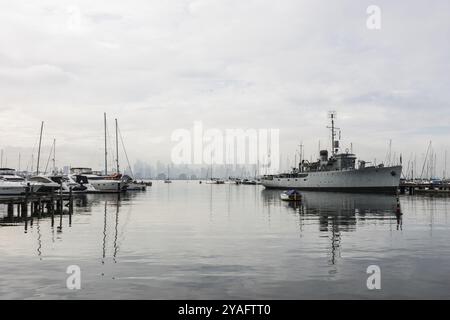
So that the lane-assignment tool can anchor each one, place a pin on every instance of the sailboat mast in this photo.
(445, 165)
(54, 156)
(39, 150)
(106, 148)
(117, 148)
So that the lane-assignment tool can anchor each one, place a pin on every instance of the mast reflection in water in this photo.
(338, 212)
(187, 240)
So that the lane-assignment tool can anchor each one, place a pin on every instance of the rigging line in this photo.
(125, 151)
(108, 140)
(112, 148)
(49, 156)
(425, 160)
(30, 160)
(407, 169)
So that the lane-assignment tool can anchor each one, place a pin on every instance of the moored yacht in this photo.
(134, 185)
(249, 182)
(70, 183)
(12, 183)
(215, 181)
(47, 185)
(9, 174)
(12, 188)
(101, 183)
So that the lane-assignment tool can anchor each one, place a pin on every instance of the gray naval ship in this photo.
(337, 172)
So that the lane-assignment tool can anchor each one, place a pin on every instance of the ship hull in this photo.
(373, 180)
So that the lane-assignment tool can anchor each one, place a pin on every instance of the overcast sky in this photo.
(160, 65)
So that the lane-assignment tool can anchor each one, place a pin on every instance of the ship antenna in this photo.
(334, 145)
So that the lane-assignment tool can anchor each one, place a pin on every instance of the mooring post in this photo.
(31, 214)
(61, 198)
(60, 222)
(25, 203)
(40, 207)
(24, 211)
(10, 210)
(61, 208)
(70, 206)
(52, 204)
(52, 210)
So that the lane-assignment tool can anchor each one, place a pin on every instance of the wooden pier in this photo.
(23, 208)
(412, 188)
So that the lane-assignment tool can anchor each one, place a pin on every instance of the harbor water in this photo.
(187, 240)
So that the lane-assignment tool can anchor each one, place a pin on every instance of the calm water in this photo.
(190, 241)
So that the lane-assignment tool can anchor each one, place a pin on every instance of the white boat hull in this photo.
(107, 186)
(286, 197)
(372, 179)
(17, 188)
(11, 189)
(136, 187)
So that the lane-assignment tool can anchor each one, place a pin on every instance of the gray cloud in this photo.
(160, 65)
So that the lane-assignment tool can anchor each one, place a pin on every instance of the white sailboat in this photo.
(132, 184)
(46, 184)
(97, 183)
(214, 180)
(168, 176)
(101, 183)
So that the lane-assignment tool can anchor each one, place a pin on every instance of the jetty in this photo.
(420, 187)
(24, 207)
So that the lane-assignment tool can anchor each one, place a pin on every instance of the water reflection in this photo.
(111, 204)
(336, 213)
(190, 240)
(85, 204)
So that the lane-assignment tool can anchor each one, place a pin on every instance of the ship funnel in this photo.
(323, 155)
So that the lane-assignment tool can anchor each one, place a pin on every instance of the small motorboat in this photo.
(215, 181)
(291, 195)
(134, 185)
(248, 182)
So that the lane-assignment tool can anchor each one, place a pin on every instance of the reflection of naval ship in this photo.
(338, 212)
(340, 202)
(337, 173)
